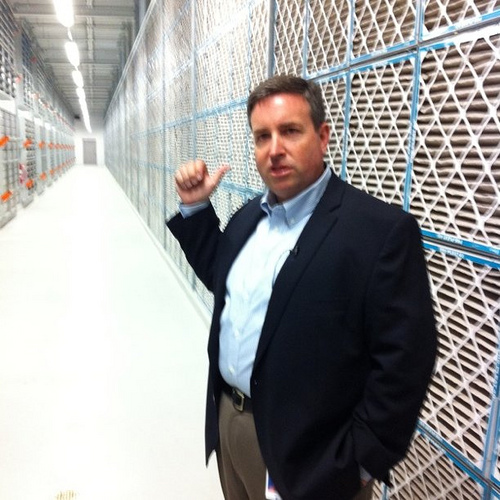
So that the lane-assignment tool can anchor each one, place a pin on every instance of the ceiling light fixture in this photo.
(64, 12)
(77, 78)
(73, 53)
(86, 118)
(80, 93)
(65, 15)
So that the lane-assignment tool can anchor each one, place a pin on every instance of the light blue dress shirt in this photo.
(251, 278)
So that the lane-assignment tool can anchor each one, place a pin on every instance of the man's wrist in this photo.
(189, 209)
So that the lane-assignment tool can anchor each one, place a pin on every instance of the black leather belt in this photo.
(241, 401)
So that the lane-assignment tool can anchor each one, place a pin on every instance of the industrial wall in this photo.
(36, 130)
(413, 94)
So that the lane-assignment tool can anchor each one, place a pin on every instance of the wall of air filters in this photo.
(412, 90)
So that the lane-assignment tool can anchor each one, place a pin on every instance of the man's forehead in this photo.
(286, 108)
(282, 98)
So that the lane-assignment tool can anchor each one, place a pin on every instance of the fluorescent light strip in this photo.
(77, 78)
(64, 12)
(73, 53)
(65, 15)
(80, 93)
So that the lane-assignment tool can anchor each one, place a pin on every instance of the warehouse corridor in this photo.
(102, 354)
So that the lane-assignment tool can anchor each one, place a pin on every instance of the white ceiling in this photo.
(104, 31)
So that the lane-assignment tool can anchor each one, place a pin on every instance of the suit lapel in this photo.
(317, 228)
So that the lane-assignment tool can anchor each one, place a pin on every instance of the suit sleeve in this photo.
(199, 237)
(402, 342)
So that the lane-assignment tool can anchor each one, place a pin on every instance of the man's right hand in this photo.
(193, 182)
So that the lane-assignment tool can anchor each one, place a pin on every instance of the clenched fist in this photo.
(193, 182)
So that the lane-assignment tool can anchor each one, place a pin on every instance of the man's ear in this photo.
(324, 135)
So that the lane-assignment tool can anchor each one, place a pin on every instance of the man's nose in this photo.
(277, 148)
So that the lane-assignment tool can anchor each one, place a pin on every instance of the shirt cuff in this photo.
(193, 208)
(364, 475)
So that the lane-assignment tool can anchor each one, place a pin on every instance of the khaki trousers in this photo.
(242, 470)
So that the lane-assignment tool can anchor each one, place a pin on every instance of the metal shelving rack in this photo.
(36, 134)
(8, 166)
(7, 65)
(8, 125)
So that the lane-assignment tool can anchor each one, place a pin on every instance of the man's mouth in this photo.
(280, 170)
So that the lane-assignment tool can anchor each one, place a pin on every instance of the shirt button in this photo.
(231, 369)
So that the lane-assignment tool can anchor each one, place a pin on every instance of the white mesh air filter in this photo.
(379, 127)
(467, 306)
(427, 473)
(259, 21)
(289, 36)
(382, 24)
(327, 35)
(334, 92)
(456, 167)
(440, 14)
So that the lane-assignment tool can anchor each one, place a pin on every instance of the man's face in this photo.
(288, 149)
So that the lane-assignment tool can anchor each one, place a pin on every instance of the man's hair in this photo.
(289, 84)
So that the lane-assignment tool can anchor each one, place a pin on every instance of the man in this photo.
(322, 340)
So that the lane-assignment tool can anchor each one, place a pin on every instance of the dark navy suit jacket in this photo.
(348, 343)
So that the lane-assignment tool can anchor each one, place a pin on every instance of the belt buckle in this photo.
(238, 399)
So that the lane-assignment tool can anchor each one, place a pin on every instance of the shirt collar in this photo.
(301, 205)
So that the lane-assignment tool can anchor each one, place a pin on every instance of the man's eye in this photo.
(261, 138)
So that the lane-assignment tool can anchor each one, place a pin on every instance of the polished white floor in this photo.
(102, 354)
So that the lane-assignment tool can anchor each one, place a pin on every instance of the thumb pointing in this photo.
(220, 173)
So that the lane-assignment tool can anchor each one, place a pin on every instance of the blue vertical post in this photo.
(493, 432)
(412, 130)
(419, 20)
(347, 103)
(193, 98)
(270, 46)
(305, 44)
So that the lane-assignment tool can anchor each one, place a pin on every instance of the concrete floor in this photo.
(102, 354)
